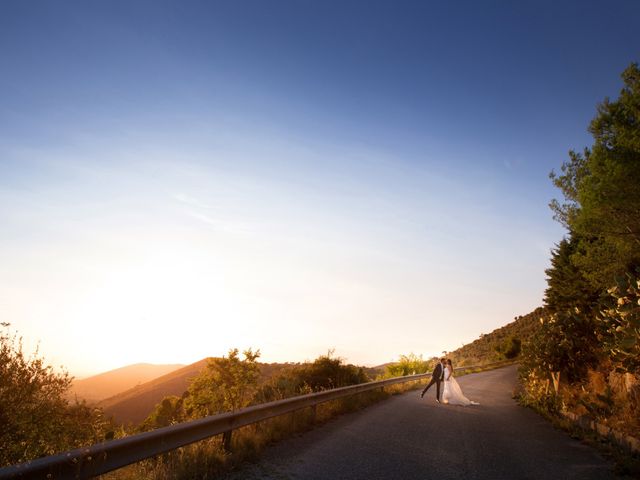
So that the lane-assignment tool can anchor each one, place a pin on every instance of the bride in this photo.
(452, 393)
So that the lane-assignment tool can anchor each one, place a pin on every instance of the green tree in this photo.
(601, 187)
(564, 342)
(323, 373)
(168, 412)
(601, 210)
(509, 348)
(328, 372)
(225, 385)
(408, 365)
(36, 418)
(567, 288)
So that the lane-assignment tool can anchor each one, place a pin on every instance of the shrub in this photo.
(324, 373)
(168, 412)
(509, 348)
(225, 385)
(408, 365)
(620, 318)
(36, 418)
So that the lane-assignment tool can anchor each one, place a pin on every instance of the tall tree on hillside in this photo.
(601, 210)
(568, 289)
(602, 190)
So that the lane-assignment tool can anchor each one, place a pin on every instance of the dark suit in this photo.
(436, 377)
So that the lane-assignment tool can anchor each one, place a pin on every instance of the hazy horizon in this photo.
(182, 178)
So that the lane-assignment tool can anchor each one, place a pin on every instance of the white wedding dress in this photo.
(452, 393)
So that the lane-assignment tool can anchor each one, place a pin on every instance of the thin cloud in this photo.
(219, 224)
(192, 201)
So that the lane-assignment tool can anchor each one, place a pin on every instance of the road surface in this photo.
(407, 437)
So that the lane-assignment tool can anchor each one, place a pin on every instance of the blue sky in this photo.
(293, 176)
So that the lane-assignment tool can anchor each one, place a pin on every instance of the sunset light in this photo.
(178, 181)
(319, 239)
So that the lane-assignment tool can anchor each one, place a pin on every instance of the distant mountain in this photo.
(108, 384)
(134, 405)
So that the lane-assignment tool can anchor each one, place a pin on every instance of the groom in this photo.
(436, 377)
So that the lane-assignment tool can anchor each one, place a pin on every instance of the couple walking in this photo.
(452, 393)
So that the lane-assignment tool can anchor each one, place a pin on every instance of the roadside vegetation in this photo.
(584, 356)
(36, 417)
(42, 421)
(231, 383)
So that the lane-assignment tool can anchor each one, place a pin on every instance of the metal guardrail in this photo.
(111, 455)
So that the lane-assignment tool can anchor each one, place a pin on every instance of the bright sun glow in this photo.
(179, 180)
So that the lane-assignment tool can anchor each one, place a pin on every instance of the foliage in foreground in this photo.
(36, 418)
(620, 321)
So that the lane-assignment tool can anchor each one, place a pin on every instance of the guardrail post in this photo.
(226, 441)
(314, 413)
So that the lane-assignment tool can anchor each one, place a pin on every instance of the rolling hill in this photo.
(134, 405)
(491, 347)
(107, 384)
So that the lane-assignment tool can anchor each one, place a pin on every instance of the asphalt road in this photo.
(407, 437)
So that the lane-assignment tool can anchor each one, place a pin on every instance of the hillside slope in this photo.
(491, 347)
(135, 404)
(107, 384)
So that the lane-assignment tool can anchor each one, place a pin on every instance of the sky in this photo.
(179, 178)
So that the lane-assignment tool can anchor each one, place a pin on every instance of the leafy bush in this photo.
(327, 372)
(509, 348)
(168, 412)
(537, 391)
(225, 385)
(324, 373)
(408, 365)
(36, 418)
(566, 342)
(620, 317)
